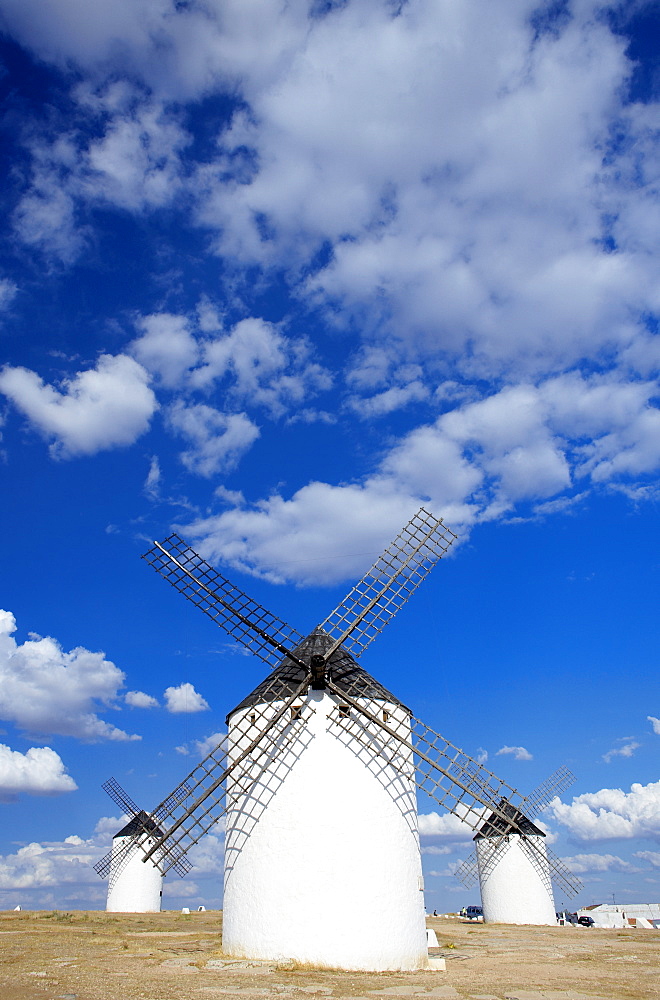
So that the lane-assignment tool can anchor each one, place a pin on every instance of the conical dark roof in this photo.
(137, 825)
(342, 670)
(496, 826)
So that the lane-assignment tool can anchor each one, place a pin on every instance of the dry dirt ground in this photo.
(172, 956)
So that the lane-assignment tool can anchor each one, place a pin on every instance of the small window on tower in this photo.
(386, 715)
(296, 711)
(253, 718)
(344, 711)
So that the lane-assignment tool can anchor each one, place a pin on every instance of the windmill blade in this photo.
(562, 876)
(102, 867)
(457, 782)
(448, 775)
(144, 827)
(175, 798)
(391, 581)
(263, 633)
(115, 861)
(120, 797)
(468, 871)
(205, 802)
(537, 800)
(539, 860)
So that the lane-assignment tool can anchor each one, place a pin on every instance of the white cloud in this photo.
(44, 689)
(40, 866)
(259, 364)
(136, 163)
(447, 825)
(208, 856)
(104, 407)
(40, 771)
(459, 165)
(472, 464)
(46, 218)
(518, 753)
(152, 482)
(390, 399)
(475, 220)
(581, 863)
(184, 698)
(611, 813)
(218, 440)
(167, 348)
(435, 849)
(653, 857)
(627, 750)
(8, 290)
(210, 743)
(655, 724)
(138, 699)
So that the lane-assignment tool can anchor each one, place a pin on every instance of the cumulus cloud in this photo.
(450, 192)
(518, 753)
(208, 856)
(655, 724)
(472, 464)
(447, 825)
(653, 857)
(108, 406)
(166, 348)
(418, 159)
(40, 771)
(627, 750)
(210, 743)
(184, 698)
(390, 399)
(611, 813)
(257, 362)
(138, 699)
(44, 689)
(581, 863)
(58, 873)
(218, 440)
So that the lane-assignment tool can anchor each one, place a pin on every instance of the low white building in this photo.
(646, 915)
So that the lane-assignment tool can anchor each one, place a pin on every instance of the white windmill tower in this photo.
(134, 887)
(317, 776)
(515, 870)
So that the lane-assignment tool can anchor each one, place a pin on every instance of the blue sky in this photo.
(275, 275)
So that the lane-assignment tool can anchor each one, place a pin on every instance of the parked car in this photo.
(586, 921)
(474, 913)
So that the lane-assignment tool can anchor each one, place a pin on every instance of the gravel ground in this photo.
(172, 956)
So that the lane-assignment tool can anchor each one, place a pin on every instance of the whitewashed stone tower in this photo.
(322, 859)
(514, 874)
(134, 886)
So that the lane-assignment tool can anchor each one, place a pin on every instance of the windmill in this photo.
(316, 779)
(515, 869)
(134, 887)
